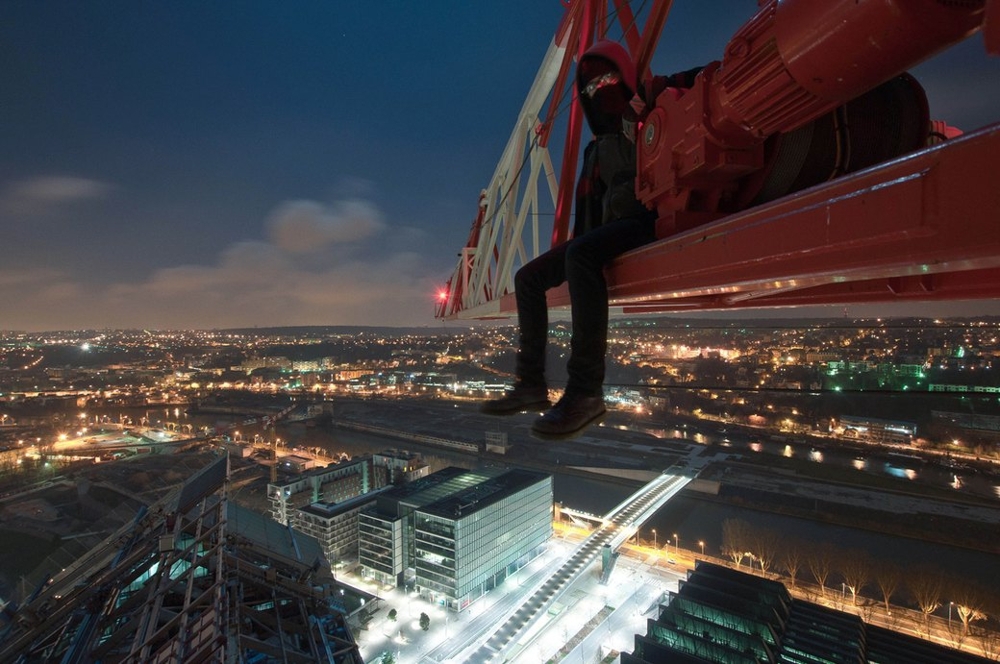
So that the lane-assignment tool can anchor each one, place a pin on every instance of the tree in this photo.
(425, 621)
(925, 584)
(766, 544)
(970, 601)
(888, 576)
(735, 539)
(392, 615)
(819, 558)
(387, 658)
(856, 566)
(791, 558)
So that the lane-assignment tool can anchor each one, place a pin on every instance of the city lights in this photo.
(777, 400)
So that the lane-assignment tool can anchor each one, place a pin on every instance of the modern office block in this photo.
(468, 543)
(722, 616)
(456, 534)
(334, 525)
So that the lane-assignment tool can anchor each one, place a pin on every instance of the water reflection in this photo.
(900, 472)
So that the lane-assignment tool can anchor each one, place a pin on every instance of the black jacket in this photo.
(606, 189)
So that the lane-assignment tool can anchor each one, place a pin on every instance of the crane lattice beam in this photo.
(916, 227)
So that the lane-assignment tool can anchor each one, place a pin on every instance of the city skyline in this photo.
(870, 449)
(195, 167)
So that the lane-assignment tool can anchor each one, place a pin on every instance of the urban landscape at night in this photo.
(851, 463)
(542, 331)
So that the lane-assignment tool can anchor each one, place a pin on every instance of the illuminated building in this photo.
(334, 525)
(883, 431)
(342, 481)
(722, 616)
(457, 534)
(332, 484)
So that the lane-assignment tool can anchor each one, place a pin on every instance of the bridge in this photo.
(621, 523)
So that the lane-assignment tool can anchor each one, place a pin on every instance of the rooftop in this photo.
(484, 493)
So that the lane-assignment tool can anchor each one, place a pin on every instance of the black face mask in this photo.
(604, 107)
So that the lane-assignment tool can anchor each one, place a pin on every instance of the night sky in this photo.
(193, 164)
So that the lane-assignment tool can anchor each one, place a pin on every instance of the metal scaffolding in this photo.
(194, 578)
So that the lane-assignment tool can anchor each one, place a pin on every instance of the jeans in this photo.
(580, 262)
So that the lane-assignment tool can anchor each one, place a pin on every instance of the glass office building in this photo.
(385, 529)
(456, 534)
(468, 543)
(723, 616)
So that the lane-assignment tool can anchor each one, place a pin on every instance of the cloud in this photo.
(42, 194)
(302, 227)
(251, 282)
(42, 290)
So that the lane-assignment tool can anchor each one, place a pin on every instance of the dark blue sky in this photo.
(193, 164)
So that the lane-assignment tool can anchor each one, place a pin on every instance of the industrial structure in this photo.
(194, 578)
(802, 167)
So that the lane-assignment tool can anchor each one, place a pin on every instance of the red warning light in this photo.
(442, 295)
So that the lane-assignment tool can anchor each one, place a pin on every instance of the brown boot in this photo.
(569, 417)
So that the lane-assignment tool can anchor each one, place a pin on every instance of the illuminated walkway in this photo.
(620, 524)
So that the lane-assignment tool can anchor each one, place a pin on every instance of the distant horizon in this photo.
(460, 326)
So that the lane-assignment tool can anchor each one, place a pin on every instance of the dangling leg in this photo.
(583, 402)
(530, 284)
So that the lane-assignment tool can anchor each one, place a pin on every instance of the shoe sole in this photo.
(538, 405)
(566, 435)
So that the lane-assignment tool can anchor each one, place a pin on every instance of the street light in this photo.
(701, 543)
(675, 544)
(654, 538)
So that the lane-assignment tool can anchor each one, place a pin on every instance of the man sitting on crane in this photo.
(609, 221)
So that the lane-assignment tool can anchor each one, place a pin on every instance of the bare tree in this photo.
(765, 546)
(735, 539)
(888, 576)
(856, 567)
(969, 599)
(791, 558)
(925, 584)
(819, 558)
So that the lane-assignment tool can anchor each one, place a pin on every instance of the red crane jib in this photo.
(793, 63)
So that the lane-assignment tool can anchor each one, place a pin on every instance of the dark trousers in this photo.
(580, 262)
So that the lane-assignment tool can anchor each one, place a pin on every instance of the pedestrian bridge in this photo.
(615, 529)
